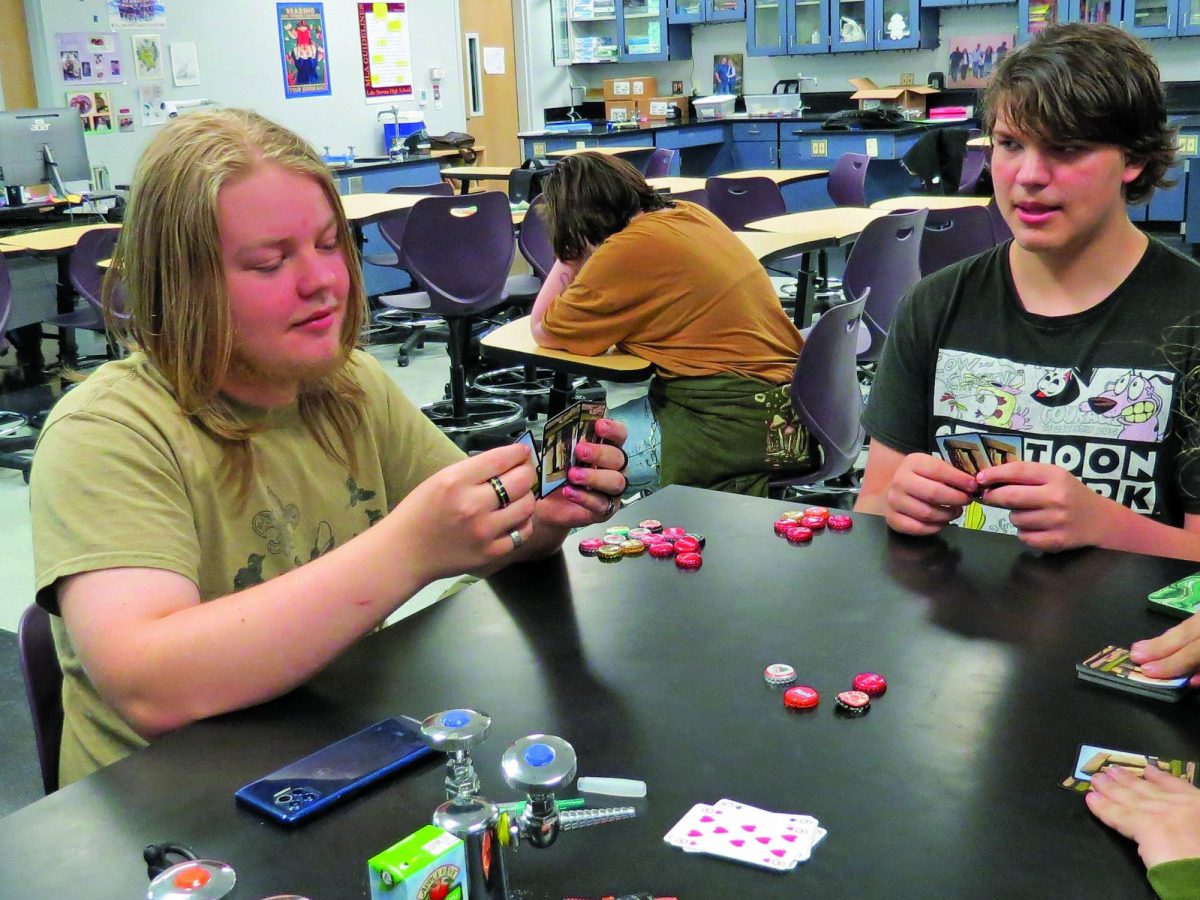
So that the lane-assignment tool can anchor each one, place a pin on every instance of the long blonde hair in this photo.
(168, 260)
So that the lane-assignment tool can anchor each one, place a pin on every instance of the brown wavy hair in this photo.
(1091, 84)
(589, 198)
(168, 260)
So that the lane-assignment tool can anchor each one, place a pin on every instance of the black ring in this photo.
(624, 459)
(501, 493)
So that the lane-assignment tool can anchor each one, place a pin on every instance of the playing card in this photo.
(793, 828)
(561, 434)
(739, 836)
(1112, 667)
(1179, 598)
(964, 451)
(1092, 760)
(1002, 448)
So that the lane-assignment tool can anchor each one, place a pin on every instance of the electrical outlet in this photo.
(906, 77)
(539, 148)
(581, 145)
(872, 147)
(1188, 144)
(354, 184)
(818, 148)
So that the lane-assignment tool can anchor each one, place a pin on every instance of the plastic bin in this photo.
(771, 104)
(717, 106)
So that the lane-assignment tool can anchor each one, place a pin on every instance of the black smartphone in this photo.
(309, 786)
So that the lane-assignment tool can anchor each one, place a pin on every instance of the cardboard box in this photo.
(636, 88)
(659, 107)
(621, 111)
(909, 98)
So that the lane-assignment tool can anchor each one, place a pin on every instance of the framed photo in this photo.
(147, 57)
(727, 73)
(973, 58)
(185, 64)
(302, 49)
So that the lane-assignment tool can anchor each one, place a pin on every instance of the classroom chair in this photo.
(826, 396)
(886, 258)
(459, 250)
(87, 278)
(1000, 230)
(954, 234)
(698, 196)
(401, 324)
(660, 162)
(15, 450)
(847, 183)
(43, 689)
(736, 201)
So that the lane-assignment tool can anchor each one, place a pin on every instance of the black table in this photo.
(946, 788)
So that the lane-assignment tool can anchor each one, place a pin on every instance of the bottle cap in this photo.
(779, 673)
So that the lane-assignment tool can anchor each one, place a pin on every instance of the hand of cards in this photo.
(1112, 667)
(973, 451)
(733, 830)
(559, 437)
(1092, 760)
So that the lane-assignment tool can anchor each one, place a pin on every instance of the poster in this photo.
(727, 73)
(302, 48)
(185, 64)
(124, 119)
(95, 109)
(972, 59)
(137, 14)
(89, 58)
(386, 49)
(150, 99)
(147, 57)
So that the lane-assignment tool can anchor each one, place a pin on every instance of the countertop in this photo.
(600, 131)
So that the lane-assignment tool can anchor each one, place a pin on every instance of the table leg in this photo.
(68, 352)
(27, 342)
(560, 394)
(806, 298)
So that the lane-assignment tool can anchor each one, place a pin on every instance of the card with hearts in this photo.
(742, 833)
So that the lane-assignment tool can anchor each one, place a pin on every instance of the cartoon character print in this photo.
(990, 400)
(1133, 401)
(1057, 387)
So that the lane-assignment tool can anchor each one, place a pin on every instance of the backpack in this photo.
(525, 183)
(455, 140)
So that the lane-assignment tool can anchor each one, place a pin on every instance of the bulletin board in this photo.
(386, 49)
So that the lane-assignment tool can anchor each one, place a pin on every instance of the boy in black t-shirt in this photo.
(1070, 342)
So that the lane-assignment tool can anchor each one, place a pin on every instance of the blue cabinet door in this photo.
(901, 25)
(724, 10)
(685, 12)
(766, 27)
(852, 25)
(1188, 17)
(808, 27)
(644, 35)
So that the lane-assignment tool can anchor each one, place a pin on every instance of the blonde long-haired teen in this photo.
(223, 512)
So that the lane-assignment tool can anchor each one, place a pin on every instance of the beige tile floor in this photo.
(422, 380)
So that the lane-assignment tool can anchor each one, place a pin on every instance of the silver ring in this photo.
(501, 493)
(515, 537)
(612, 507)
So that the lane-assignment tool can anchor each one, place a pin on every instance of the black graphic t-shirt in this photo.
(1097, 393)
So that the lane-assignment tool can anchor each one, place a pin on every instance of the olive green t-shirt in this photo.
(121, 478)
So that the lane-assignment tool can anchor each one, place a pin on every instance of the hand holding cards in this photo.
(1112, 667)
(972, 452)
(732, 830)
(1093, 760)
(559, 438)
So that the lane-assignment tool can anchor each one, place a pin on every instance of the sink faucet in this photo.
(800, 79)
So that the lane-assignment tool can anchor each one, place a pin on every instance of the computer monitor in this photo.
(42, 146)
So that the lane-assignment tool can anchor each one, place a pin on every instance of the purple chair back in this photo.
(847, 184)
(954, 234)
(5, 302)
(533, 240)
(1000, 230)
(392, 227)
(698, 196)
(825, 392)
(736, 201)
(459, 250)
(86, 275)
(43, 689)
(886, 259)
(972, 169)
(660, 162)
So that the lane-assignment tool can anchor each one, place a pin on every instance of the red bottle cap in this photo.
(798, 534)
(652, 524)
(821, 511)
(674, 531)
(782, 526)
(840, 523)
(686, 544)
(690, 561)
(589, 546)
(816, 523)
(661, 550)
(871, 684)
(801, 697)
(853, 702)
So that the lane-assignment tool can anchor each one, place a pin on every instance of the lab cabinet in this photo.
(696, 12)
(1034, 16)
(608, 31)
(755, 145)
(787, 27)
(1162, 18)
(882, 25)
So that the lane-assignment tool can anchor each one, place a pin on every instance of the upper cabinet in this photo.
(795, 27)
(1034, 15)
(694, 12)
(1162, 18)
(604, 31)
